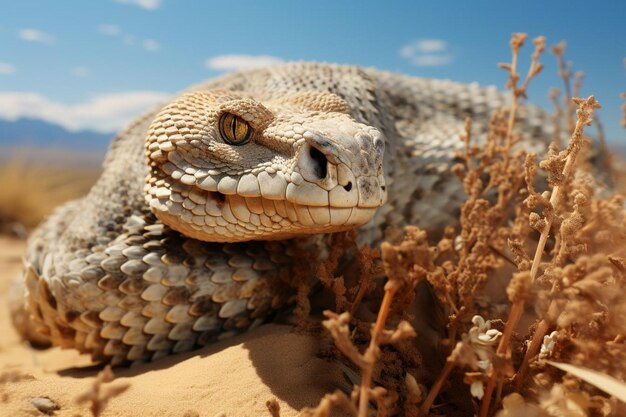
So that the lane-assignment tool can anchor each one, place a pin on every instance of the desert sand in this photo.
(234, 377)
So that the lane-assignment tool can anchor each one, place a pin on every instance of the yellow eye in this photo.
(234, 129)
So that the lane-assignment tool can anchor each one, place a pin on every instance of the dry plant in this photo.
(273, 407)
(565, 73)
(559, 247)
(347, 297)
(606, 158)
(483, 237)
(560, 168)
(566, 208)
(98, 396)
(31, 192)
(557, 116)
(396, 259)
(340, 243)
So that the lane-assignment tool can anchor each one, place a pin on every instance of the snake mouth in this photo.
(323, 191)
(264, 206)
(217, 217)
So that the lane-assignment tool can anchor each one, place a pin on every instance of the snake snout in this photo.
(347, 164)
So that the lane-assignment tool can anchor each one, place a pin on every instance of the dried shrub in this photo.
(557, 240)
(394, 259)
(30, 192)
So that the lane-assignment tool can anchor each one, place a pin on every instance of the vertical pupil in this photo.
(234, 128)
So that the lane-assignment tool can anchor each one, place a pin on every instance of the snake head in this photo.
(229, 168)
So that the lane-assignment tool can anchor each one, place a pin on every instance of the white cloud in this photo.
(431, 60)
(80, 72)
(423, 46)
(151, 45)
(35, 35)
(145, 4)
(105, 113)
(240, 62)
(148, 44)
(109, 30)
(130, 40)
(6, 69)
(427, 52)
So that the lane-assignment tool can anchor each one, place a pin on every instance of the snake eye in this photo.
(234, 129)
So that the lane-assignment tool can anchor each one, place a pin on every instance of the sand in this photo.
(234, 377)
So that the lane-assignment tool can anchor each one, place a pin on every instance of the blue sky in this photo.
(95, 64)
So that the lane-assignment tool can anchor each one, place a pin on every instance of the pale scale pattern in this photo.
(121, 274)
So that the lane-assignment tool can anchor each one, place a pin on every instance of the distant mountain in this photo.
(34, 133)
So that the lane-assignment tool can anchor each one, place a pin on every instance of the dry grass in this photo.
(558, 249)
(395, 259)
(30, 192)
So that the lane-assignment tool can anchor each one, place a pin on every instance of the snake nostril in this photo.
(320, 163)
(348, 186)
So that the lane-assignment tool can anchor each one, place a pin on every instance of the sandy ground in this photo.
(231, 378)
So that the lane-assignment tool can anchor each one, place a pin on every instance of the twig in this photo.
(326, 404)
(273, 407)
(535, 344)
(566, 74)
(395, 262)
(434, 390)
(584, 113)
(462, 355)
(372, 350)
(517, 41)
(605, 154)
(557, 116)
(99, 397)
(369, 270)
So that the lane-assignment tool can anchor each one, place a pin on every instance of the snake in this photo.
(189, 235)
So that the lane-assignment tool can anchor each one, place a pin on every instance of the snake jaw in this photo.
(319, 173)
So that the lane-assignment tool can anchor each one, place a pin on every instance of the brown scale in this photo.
(133, 286)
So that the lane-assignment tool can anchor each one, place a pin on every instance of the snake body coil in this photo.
(185, 238)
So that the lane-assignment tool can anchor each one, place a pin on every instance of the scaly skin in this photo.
(186, 238)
